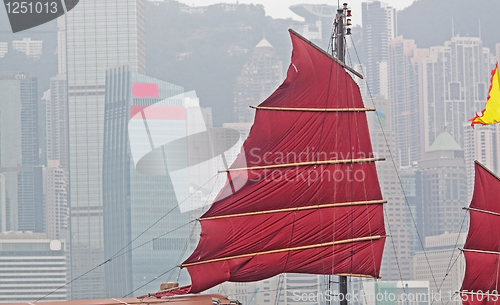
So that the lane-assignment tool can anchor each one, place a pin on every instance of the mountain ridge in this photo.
(465, 18)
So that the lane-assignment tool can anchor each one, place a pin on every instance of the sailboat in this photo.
(303, 195)
(482, 246)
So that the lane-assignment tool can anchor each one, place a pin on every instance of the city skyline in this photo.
(280, 9)
(90, 51)
(104, 167)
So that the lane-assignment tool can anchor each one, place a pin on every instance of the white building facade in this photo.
(31, 268)
(32, 48)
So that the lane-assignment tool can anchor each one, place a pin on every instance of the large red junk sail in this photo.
(310, 201)
(481, 249)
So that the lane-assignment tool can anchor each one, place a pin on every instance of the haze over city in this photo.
(156, 148)
(279, 9)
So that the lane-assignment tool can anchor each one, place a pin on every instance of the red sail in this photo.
(310, 201)
(481, 249)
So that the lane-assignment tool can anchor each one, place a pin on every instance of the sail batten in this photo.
(480, 251)
(312, 207)
(303, 194)
(333, 243)
(346, 161)
(482, 211)
(314, 109)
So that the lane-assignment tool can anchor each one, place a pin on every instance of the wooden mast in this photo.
(338, 49)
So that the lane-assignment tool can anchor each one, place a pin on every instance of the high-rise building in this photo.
(4, 219)
(61, 45)
(99, 35)
(32, 48)
(379, 28)
(395, 260)
(19, 152)
(31, 267)
(222, 139)
(133, 200)
(481, 143)
(259, 78)
(56, 122)
(4, 48)
(56, 201)
(411, 181)
(404, 96)
(497, 48)
(444, 186)
(455, 82)
(443, 265)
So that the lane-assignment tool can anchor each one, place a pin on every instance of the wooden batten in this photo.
(332, 243)
(345, 161)
(312, 207)
(314, 109)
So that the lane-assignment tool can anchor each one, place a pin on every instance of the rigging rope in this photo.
(165, 215)
(399, 180)
(364, 182)
(450, 265)
(171, 269)
(154, 279)
(118, 254)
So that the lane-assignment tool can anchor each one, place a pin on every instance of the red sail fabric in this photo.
(265, 227)
(482, 273)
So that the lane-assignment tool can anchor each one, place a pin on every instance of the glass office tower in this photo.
(140, 110)
(99, 35)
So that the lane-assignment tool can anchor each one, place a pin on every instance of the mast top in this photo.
(342, 28)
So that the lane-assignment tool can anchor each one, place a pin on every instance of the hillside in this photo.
(206, 52)
(43, 68)
(429, 22)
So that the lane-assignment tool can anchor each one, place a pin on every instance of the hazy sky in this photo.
(279, 8)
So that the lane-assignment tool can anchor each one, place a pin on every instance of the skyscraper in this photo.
(99, 35)
(411, 180)
(379, 27)
(133, 200)
(497, 51)
(4, 48)
(404, 96)
(444, 186)
(396, 251)
(259, 78)
(19, 152)
(56, 122)
(442, 264)
(56, 201)
(481, 143)
(455, 82)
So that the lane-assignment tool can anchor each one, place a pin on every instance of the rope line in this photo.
(399, 178)
(392, 158)
(118, 254)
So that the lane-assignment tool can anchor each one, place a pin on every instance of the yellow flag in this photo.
(491, 114)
